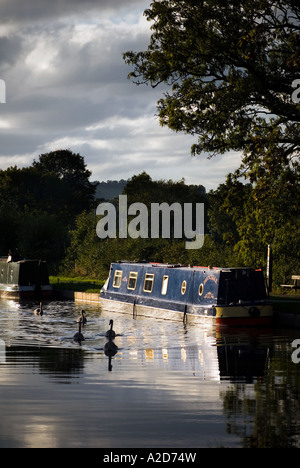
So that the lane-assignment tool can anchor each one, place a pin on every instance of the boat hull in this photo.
(223, 316)
(251, 315)
(24, 292)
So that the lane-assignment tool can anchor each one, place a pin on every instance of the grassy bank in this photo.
(76, 284)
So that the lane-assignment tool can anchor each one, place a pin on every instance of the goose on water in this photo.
(78, 337)
(82, 318)
(39, 310)
(110, 349)
(110, 333)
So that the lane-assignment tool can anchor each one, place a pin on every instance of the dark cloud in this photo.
(67, 87)
(33, 10)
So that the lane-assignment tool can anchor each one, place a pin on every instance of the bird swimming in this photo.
(110, 333)
(110, 349)
(82, 318)
(78, 337)
(39, 310)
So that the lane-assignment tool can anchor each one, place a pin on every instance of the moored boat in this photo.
(24, 279)
(226, 296)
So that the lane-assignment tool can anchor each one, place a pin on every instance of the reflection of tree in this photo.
(54, 362)
(266, 415)
(61, 362)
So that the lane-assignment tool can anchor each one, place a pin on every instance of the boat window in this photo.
(201, 289)
(132, 280)
(117, 279)
(148, 284)
(183, 287)
(164, 287)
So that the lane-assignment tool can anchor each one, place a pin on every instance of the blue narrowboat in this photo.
(228, 296)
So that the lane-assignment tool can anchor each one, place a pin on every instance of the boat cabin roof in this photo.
(180, 266)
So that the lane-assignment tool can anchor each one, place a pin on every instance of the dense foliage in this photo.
(230, 67)
(39, 204)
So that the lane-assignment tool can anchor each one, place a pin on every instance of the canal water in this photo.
(166, 385)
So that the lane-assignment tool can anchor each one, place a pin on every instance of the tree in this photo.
(71, 169)
(247, 217)
(38, 204)
(231, 68)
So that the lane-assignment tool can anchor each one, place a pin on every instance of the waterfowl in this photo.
(110, 348)
(110, 333)
(78, 337)
(82, 318)
(39, 310)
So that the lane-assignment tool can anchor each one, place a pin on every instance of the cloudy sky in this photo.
(67, 87)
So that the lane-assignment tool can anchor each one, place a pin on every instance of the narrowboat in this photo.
(24, 279)
(226, 296)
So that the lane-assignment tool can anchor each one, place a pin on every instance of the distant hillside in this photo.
(113, 188)
(110, 189)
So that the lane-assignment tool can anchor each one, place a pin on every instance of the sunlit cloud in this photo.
(67, 87)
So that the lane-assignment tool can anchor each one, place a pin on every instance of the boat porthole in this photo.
(183, 287)
(201, 289)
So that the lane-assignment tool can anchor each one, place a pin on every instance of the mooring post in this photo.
(269, 269)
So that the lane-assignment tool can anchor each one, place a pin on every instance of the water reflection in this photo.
(62, 364)
(271, 405)
(157, 384)
(244, 355)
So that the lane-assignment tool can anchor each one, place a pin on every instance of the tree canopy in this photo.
(39, 204)
(71, 169)
(230, 67)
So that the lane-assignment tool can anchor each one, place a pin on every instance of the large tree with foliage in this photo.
(71, 169)
(229, 71)
(39, 203)
(230, 67)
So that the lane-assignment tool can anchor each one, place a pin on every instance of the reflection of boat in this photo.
(25, 278)
(244, 356)
(241, 357)
(229, 296)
